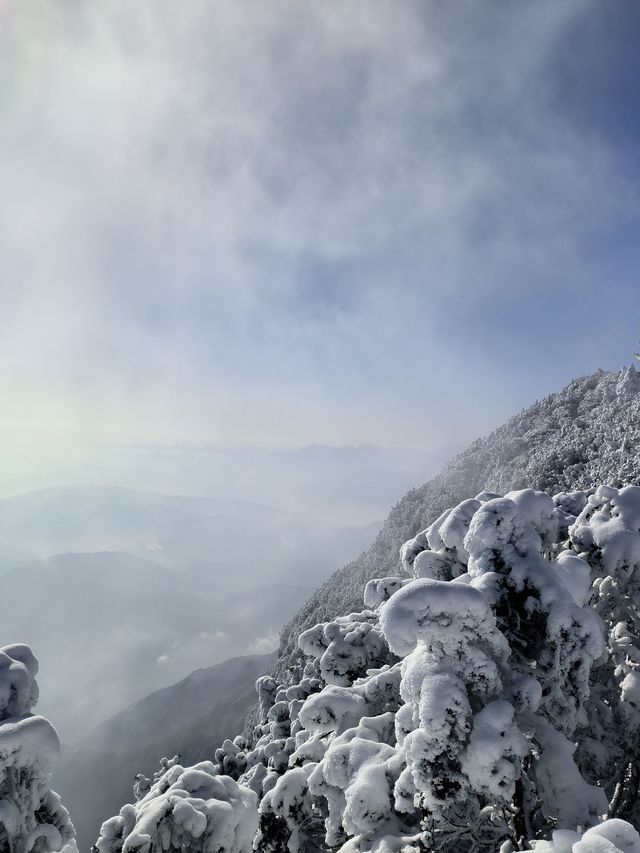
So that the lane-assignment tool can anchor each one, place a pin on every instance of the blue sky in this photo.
(279, 223)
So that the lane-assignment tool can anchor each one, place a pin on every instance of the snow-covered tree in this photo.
(287, 818)
(538, 598)
(488, 700)
(460, 743)
(186, 809)
(32, 818)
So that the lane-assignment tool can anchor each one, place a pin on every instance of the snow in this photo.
(333, 710)
(353, 777)
(429, 610)
(566, 796)
(378, 590)
(186, 808)
(611, 836)
(32, 817)
(491, 761)
(29, 739)
(286, 799)
(609, 525)
(348, 646)
(575, 574)
(455, 526)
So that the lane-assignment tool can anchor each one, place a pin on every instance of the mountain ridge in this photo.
(587, 432)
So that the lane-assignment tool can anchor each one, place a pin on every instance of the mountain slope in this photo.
(190, 718)
(587, 433)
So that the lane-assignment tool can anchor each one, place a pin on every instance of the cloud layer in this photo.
(286, 222)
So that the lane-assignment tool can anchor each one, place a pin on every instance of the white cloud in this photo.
(216, 635)
(264, 645)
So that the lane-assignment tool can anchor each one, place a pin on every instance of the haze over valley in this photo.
(125, 591)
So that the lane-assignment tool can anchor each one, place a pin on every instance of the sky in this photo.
(280, 223)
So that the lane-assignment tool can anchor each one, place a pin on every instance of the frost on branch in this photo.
(32, 818)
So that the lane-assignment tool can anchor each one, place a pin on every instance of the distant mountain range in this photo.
(339, 486)
(200, 535)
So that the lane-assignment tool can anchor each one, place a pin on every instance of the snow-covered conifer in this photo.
(287, 817)
(459, 738)
(552, 637)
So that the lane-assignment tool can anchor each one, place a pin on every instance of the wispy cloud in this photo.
(264, 645)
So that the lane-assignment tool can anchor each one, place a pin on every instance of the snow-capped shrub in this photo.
(333, 710)
(346, 647)
(231, 757)
(186, 809)
(378, 590)
(266, 687)
(32, 818)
